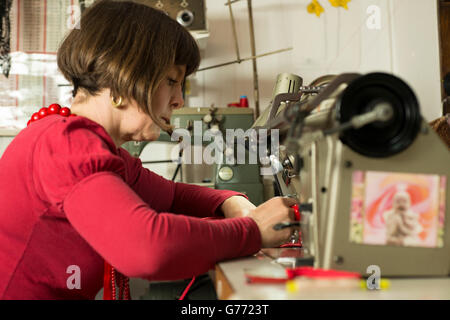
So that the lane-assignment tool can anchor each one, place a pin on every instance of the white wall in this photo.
(339, 41)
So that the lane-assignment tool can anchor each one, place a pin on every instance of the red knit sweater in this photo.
(69, 197)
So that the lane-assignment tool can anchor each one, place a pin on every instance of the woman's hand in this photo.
(268, 214)
(237, 206)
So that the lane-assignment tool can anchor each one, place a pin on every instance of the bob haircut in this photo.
(128, 48)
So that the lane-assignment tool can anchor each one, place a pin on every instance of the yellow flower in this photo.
(315, 7)
(340, 3)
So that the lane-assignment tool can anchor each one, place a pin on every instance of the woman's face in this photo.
(168, 96)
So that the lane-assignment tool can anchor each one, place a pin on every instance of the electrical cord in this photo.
(189, 286)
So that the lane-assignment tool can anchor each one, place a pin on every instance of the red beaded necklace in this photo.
(111, 276)
(52, 109)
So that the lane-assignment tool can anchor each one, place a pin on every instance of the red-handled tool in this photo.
(296, 222)
(296, 240)
(296, 212)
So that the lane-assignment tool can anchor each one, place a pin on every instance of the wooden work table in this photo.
(230, 283)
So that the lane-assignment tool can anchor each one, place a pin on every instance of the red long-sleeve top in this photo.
(69, 197)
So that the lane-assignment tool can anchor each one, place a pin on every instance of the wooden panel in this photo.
(222, 285)
(444, 36)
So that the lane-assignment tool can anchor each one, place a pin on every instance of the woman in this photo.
(72, 199)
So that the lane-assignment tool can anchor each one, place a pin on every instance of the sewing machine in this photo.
(357, 151)
(193, 126)
(194, 123)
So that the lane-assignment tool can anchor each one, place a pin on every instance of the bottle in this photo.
(243, 102)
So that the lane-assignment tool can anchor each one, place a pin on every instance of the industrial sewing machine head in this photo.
(193, 125)
(355, 149)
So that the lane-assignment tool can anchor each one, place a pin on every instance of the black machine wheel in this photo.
(379, 139)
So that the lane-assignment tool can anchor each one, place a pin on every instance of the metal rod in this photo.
(219, 65)
(157, 161)
(230, 2)
(233, 26)
(267, 53)
(176, 171)
(255, 69)
(244, 59)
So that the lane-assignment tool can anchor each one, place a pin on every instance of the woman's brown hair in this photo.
(128, 48)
